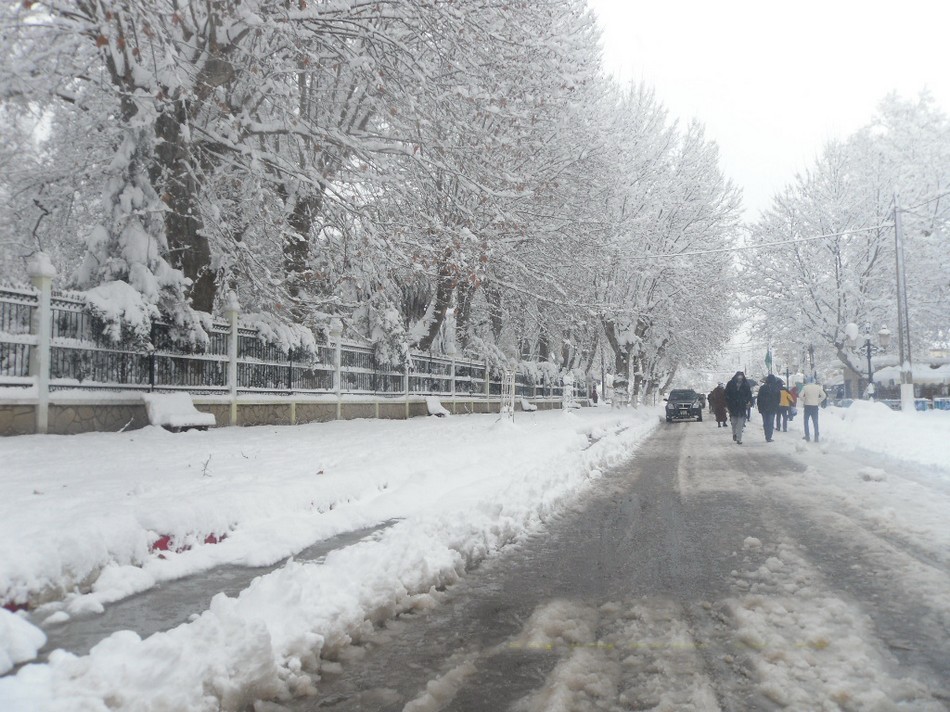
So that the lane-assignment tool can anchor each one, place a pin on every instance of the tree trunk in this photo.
(173, 177)
(493, 296)
(544, 344)
(620, 354)
(296, 248)
(567, 352)
(464, 294)
(445, 287)
(592, 353)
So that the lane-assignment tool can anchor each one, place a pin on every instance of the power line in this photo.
(779, 243)
(929, 200)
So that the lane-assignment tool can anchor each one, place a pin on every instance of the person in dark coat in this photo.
(738, 402)
(717, 403)
(768, 401)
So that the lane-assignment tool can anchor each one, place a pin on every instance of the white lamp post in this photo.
(884, 338)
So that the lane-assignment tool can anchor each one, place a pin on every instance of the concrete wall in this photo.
(17, 419)
(98, 414)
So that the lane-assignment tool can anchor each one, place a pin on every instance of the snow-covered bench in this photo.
(528, 406)
(175, 412)
(435, 407)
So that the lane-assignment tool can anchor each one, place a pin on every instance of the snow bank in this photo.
(93, 503)
(921, 436)
(19, 641)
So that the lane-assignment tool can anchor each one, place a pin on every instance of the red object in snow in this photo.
(164, 543)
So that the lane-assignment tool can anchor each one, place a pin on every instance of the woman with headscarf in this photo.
(717, 402)
(738, 402)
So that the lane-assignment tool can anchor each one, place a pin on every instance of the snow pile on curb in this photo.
(461, 488)
(919, 437)
(19, 641)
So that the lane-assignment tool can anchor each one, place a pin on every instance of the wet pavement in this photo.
(626, 602)
(171, 603)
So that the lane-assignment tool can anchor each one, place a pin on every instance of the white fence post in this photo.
(231, 309)
(336, 335)
(41, 272)
(450, 350)
(567, 391)
(508, 395)
(405, 382)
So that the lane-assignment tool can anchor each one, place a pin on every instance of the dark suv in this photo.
(683, 404)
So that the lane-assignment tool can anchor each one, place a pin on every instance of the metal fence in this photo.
(16, 337)
(80, 357)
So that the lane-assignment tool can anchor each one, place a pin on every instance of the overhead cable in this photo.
(778, 243)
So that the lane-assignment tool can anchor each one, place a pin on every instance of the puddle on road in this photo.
(173, 602)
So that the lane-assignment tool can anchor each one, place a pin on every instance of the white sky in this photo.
(773, 82)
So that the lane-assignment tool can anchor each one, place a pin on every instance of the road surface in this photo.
(701, 575)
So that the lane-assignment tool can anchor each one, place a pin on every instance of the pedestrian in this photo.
(738, 402)
(717, 404)
(784, 408)
(594, 394)
(768, 400)
(811, 396)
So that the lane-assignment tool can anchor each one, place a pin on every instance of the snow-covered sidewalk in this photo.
(92, 518)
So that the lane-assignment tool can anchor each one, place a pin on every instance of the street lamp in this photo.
(883, 337)
(794, 367)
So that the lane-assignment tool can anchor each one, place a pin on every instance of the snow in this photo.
(20, 640)
(40, 265)
(89, 507)
(919, 437)
(175, 410)
(435, 407)
(117, 303)
(922, 373)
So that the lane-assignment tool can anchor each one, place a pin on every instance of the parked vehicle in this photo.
(683, 404)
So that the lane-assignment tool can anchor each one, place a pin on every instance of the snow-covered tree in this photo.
(669, 201)
(839, 215)
(438, 174)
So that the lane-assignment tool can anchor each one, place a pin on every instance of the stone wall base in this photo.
(101, 415)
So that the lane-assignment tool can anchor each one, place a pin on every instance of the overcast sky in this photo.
(773, 81)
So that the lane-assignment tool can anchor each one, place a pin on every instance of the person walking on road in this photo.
(717, 403)
(812, 396)
(738, 402)
(784, 408)
(768, 400)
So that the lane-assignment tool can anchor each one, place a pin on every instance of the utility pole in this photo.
(903, 320)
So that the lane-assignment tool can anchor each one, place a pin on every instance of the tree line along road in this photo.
(697, 576)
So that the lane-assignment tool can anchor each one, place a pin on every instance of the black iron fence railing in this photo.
(81, 356)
